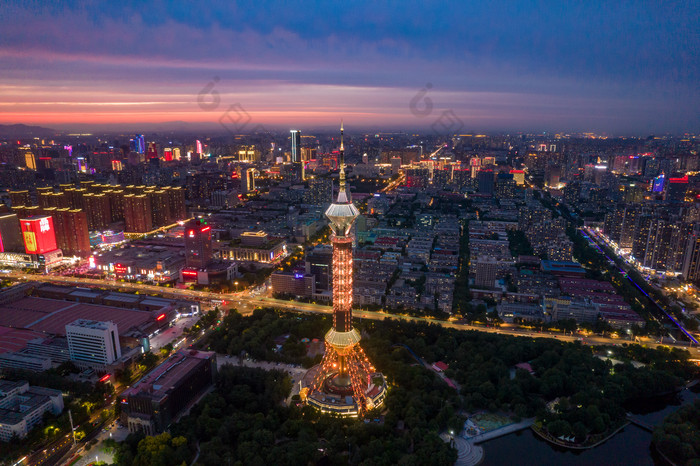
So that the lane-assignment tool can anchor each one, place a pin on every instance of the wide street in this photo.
(245, 304)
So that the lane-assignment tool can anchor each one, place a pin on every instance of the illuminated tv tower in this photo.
(344, 371)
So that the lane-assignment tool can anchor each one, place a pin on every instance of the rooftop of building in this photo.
(32, 398)
(14, 339)
(163, 378)
(91, 324)
(51, 316)
(566, 267)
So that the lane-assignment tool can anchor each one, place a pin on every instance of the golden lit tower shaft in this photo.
(342, 214)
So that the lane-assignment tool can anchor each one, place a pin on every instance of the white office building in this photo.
(93, 343)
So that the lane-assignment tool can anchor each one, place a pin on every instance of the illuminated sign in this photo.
(91, 261)
(658, 184)
(105, 378)
(44, 225)
(121, 269)
(205, 229)
(160, 317)
(191, 234)
(39, 235)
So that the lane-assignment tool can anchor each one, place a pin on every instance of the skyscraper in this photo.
(296, 145)
(197, 244)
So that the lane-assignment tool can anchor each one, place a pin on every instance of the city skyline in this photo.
(349, 233)
(520, 67)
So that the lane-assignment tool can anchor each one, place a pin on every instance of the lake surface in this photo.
(631, 446)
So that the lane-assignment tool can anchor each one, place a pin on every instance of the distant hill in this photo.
(23, 131)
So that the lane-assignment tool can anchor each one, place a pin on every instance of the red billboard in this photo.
(39, 235)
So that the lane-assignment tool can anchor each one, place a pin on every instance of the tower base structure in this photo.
(345, 383)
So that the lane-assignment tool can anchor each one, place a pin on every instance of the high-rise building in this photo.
(641, 235)
(486, 272)
(296, 146)
(75, 197)
(474, 166)
(677, 188)
(20, 198)
(248, 154)
(93, 343)
(98, 211)
(137, 213)
(485, 181)
(518, 176)
(176, 195)
(116, 203)
(10, 234)
(345, 375)
(691, 262)
(160, 203)
(307, 153)
(395, 165)
(30, 160)
(629, 224)
(151, 151)
(198, 251)
(72, 235)
(613, 223)
(319, 263)
(249, 180)
(505, 185)
(138, 144)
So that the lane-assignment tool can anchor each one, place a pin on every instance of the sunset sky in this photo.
(616, 67)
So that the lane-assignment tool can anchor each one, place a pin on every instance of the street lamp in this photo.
(236, 283)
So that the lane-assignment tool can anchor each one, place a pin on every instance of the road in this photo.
(248, 303)
(393, 184)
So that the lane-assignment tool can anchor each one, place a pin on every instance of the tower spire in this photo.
(341, 187)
